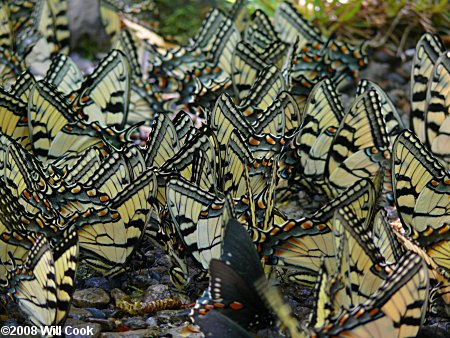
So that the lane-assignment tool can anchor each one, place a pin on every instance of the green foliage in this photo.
(181, 19)
(267, 6)
(390, 22)
(89, 50)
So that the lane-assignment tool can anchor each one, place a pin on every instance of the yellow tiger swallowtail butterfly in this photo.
(397, 244)
(323, 114)
(64, 74)
(23, 85)
(428, 50)
(199, 217)
(13, 118)
(44, 284)
(106, 91)
(360, 264)
(397, 309)
(300, 243)
(107, 243)
(437, 118)
(421, 192)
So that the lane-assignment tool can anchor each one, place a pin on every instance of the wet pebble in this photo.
(171, 316)
(405, 73)
(375, 71)
(186, 329)
(395, 77)
(91, 297)
(132, 334)
(96, 313)
(155, 276)
(410, 52)
(79, 314)
(117, 294)
(10, 322)
(161, 270)
(106, 324)
(115, 313)
(165, 279)
(151, 322)
(143, 281)
(437, 330)
(151, 256)
(156, 292)
(134, 323)
(98, 282)
(383, 56)
(302, 313)
(161, 260)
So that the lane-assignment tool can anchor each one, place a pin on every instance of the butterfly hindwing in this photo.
(45, 293)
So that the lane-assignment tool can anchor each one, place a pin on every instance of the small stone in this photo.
(132, 334)
(106, 324)
(375, 71)
(160, 269)
(96, 313)
(10, 322)
(383, 56)
(165, 279)
(438, 330)
(118, 294)
(406, 67)
(162, 260)
(303, 313)
(186, 329)
(171, 316)
(155, 276)
(156, 292)
(134, 323)
(114, 313)
(91, 297)
(410, 52)
(143, 281)
(79, 314)
(396, 78)
(151, 257)
(268, 332)
(151, 322)
(406, 75)
(98, 282)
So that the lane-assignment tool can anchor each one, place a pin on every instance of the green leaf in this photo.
(352, 9)
(394, 6)
(318, 4)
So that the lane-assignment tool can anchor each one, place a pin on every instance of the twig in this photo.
(391, 28)
(403, 39)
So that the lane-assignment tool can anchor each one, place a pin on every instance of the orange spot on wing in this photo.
(236, 306)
